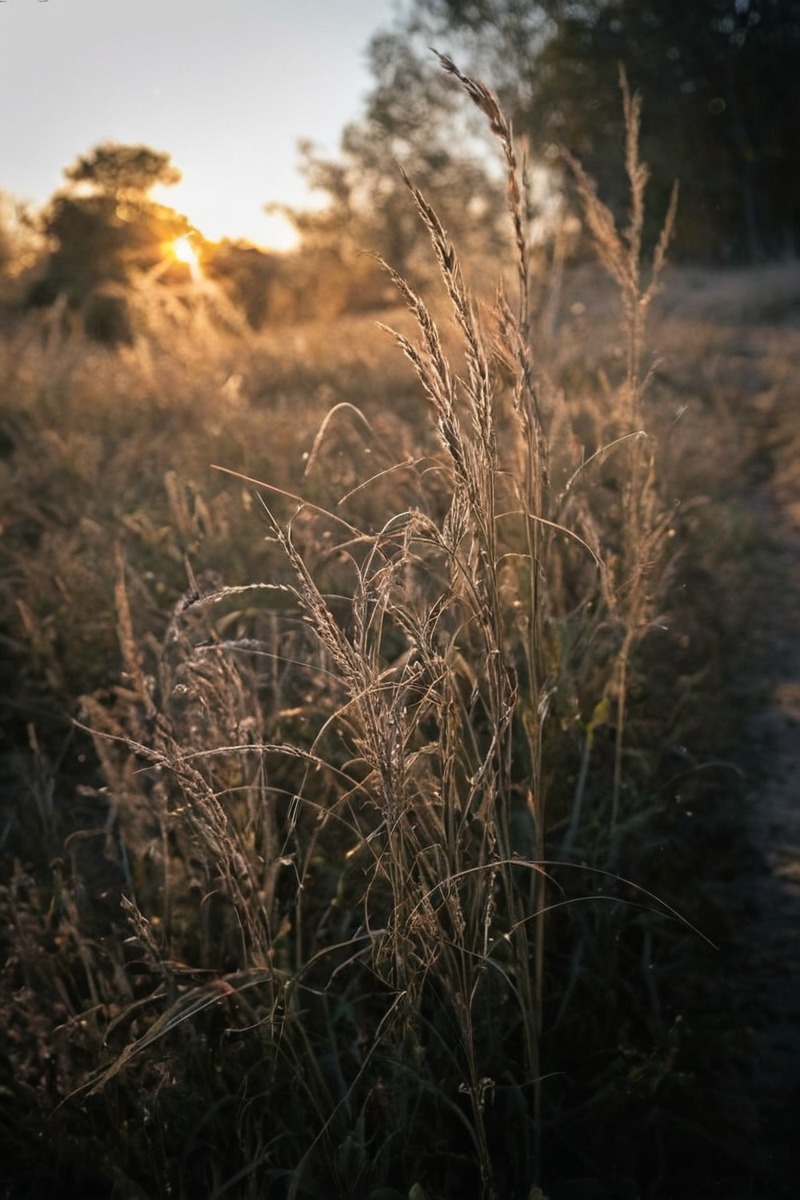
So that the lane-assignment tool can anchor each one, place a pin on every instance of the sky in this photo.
(226, 87)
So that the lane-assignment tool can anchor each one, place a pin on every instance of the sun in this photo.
(184, 252)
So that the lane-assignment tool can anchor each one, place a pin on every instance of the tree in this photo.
(116, 170)
(718, 83)
(409, 122)
(103, 225)
(248, 276)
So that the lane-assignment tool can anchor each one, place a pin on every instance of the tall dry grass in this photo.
(369, 818)
(400, 848)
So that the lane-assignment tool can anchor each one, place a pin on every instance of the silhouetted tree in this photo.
(112, 169)
(103, 224)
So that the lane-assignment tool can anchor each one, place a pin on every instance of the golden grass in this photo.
(388, 743)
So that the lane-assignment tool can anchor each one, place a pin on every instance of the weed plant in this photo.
(360, 919)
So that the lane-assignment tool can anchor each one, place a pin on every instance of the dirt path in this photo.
(768, 895)
(731, 348)
(771, 895)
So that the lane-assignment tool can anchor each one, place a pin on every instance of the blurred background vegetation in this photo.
(722, 117)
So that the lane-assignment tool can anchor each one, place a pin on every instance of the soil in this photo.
(771, 892)
(766, 896)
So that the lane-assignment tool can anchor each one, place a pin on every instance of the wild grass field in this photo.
(375, 761)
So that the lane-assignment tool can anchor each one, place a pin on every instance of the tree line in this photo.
(721, 116)
(721, 104)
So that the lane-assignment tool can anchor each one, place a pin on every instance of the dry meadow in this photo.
(378, 745)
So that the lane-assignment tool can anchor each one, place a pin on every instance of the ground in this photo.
(769, 895)
(754, 373)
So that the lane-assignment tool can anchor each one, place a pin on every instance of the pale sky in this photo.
(226, 87)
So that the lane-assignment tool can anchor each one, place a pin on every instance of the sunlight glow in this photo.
(217, 214)
(184, 252)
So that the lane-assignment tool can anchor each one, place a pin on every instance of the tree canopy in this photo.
(719, 89)
(721, 115)
(116, 170)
